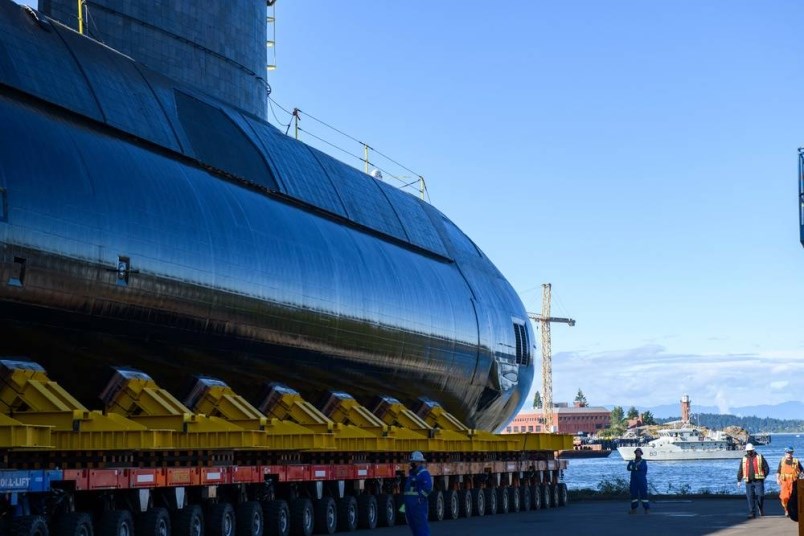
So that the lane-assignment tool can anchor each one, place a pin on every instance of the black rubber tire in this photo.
(221, 520)
(73, 524)
(547, 497)
(563, 494)
(554, 496)
(478, 502)
(367, 511)
(347, 514)
(386, 510)
(29, 526)
(154, 522)
(465, 500)
(277, 517)
(525, 501)
(399, 500)
(503, 500)
(115, 523)
(326, 515)
(189, 521)
(452, 505)
(435, 510)
(515, 502)
(302, 520)
(491, 501)
(250, 519)
(536, 497)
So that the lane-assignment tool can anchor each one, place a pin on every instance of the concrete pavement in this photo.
(694, 517)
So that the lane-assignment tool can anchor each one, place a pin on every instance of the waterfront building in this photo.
(566, 420)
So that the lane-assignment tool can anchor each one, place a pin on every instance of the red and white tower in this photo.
(685, 408)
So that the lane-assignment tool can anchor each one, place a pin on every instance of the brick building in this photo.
(566, 420)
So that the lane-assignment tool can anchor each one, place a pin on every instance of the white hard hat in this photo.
(749, 446)
(417, 456)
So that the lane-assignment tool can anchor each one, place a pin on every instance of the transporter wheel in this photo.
(154, 522)
(29, 526)
(536, 497)
(516, 504)
(547, 497)
(367, 511)
(503, 500)
(452, 506)
(347, 514)
(386, 510)
(478, 502)
(563, 494)
(221, 520)
(73, 524)
(436, 506)
(491, 501)
(301, 517)
(524, 499)
(554, 495)
(277, 518)
(326, 516)
(250, 521)
(116, 523)
(189, 521)
(399, 500)
(465, 499)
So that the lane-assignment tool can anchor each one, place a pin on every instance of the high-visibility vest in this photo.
(788, 472)
(759, 474)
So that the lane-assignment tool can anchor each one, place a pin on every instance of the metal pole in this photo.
(80, 16)
(365, 157)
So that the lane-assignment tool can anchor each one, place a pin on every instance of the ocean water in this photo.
(694, 476)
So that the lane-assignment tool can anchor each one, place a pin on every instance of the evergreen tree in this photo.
(617, 417)
(580, 399)
(647, 418)
(537, 400)
(633, 413)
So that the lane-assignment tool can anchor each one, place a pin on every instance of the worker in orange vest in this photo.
(788, 472)
(753, 470)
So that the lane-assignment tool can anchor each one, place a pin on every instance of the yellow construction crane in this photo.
(544, 319)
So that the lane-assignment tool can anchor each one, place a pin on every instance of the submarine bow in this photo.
(144, 223)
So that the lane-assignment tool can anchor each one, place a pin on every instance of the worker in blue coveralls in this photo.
(639, 482)
(418, 486)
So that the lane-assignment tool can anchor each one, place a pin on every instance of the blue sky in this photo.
(638, 155)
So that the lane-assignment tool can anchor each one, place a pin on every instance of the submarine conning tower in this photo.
(218, 47)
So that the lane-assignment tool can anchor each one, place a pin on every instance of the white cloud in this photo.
(721, 402)
(649, 375)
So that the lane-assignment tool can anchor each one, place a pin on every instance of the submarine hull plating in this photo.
(145, 224)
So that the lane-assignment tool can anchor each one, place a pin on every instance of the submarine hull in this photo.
(148, 225)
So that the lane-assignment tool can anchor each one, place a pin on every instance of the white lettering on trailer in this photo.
(18, 482)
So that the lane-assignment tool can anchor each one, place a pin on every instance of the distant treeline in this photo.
(754, 425)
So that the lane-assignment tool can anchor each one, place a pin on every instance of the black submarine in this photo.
(146, 223)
